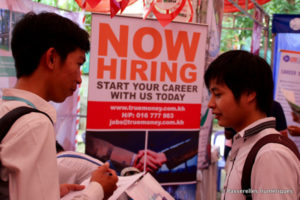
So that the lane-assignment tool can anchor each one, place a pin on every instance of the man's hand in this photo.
(66, 188)
(284, 132)
(294, 130)
(296, 118)
(153, 163)
(107, 178)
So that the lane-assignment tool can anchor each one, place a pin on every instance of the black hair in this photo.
(34, 34)
(241, 72)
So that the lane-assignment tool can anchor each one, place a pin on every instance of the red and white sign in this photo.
(144, 76)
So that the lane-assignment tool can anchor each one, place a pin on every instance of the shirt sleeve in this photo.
(93, 191)
(75, 167)
(275, 174)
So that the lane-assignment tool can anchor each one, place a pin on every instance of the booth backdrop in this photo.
(286, 59)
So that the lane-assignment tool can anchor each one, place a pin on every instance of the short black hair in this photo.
(34, 34)
(241, 72)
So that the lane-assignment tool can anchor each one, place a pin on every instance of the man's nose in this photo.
(211, 103)
(79, 80)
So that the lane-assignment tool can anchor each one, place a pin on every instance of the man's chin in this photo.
(60, 99)
(221, 123)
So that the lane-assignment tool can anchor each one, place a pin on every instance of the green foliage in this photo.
(47, 2)
(88, 22)
(70, 5)
(63, 4)
(241, 39)
(235, 38)
(282, 7)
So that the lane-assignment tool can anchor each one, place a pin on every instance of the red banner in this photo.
(123, 115)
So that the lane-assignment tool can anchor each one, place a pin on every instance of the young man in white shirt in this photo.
(48, 50)
(241, 87)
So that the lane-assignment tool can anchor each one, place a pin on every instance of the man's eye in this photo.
(217, 94)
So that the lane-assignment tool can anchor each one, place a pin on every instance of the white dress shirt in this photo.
(276, 170)
(28, 154)
(75, 167)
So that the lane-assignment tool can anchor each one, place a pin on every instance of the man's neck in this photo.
(31, 84)
(251, 118)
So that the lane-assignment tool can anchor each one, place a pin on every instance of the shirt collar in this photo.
(36, 100)
(256, 127)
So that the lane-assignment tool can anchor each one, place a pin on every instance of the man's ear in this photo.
(51, 56)
(251, 96)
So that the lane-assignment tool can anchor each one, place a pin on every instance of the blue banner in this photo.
(283, 23)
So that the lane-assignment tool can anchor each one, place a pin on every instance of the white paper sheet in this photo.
(123, 183)
(148, 189)
(290, 97)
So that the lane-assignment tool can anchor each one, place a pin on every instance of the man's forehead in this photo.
(80, 53)
(217, 86)
(216, 83)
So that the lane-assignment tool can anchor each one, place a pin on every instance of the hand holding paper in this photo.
(107, 178)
